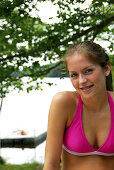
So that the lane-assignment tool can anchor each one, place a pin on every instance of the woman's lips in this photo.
(86, 88)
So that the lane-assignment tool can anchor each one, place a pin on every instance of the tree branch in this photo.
(44, 72)
(96, 28)
(40, 73)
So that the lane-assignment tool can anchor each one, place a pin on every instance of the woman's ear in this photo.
(107, 69)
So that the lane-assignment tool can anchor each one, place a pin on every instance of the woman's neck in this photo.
(96, 103)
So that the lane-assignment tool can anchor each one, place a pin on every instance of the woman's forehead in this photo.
(79, 61)
(78, 57)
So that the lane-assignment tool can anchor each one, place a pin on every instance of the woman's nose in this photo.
(82, 79)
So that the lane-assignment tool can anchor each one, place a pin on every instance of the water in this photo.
(28, 112)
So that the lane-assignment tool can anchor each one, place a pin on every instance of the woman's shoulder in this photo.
(66, 97)
(112, 94)
(67, 102)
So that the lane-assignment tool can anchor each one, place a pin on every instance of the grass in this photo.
(26, 166)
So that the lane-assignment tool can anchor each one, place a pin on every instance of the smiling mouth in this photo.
(87, 88)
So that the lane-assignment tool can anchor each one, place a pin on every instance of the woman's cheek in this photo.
(74, 83)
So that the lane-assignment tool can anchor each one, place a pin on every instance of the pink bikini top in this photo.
(75, 141)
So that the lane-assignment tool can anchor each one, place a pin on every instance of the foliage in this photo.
(2, 161)
(26, 40)
(59, 71)
(27, 166)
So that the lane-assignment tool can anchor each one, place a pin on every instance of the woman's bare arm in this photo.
(58, 116)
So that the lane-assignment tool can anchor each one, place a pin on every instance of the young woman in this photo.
(81, 123)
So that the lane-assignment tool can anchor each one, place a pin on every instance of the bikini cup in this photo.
(75, 141)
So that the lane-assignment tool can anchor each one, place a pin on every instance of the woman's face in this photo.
(87, 77)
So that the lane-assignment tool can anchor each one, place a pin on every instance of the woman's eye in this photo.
(73, 75)
(88, 71)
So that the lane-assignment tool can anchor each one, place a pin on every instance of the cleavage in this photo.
(96, 129)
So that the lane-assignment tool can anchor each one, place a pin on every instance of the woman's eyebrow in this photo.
(87, 67)
(82, 69)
